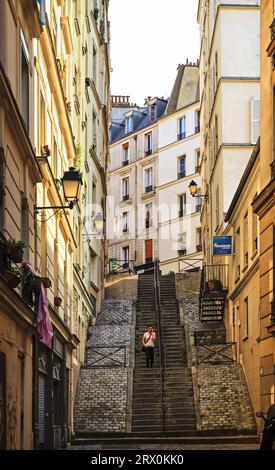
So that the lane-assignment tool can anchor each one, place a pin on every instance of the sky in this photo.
(149, 39)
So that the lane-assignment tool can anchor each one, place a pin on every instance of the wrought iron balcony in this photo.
(181, 135)
(148, 189)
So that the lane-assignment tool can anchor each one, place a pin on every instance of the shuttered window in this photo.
(41, 407)
(255, 119)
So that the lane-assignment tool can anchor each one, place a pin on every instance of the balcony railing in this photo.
(148, 152)
(148, 189)
(215, 277)
(182, 212)
(181, 135)
(118, 266)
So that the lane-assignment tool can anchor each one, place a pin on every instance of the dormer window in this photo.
(152, 112)
(128, 124)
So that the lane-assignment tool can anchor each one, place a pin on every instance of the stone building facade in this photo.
(50, 93)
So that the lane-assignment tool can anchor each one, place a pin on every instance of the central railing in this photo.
(161, 345)
(117, 266)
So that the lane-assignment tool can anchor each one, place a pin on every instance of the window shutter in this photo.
(255, 119)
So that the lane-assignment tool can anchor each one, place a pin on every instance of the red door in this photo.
(148, 251)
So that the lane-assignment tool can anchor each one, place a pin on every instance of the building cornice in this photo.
(265, 201)
(178, 142)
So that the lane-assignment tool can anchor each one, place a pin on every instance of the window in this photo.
(254, 231)
(198, 239)
(181, 167)
(182, 205)
(237, 255)
(128, 124)
(216, 137)
(245, 241)
(217, 208)
(182, 128)
(94, 65)
(182, 250)
(42, 123)
(148, 180)
(125, 256)
(148, 144)
(125, 152)
(198, 156)
(152, 113)
(198, 201)
(125, 189)
(245, 318)
(255, 119)
(125, 222)
(24, 80)
(197, 121)
(148, 215)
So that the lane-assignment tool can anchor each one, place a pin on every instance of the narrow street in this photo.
(188, 400)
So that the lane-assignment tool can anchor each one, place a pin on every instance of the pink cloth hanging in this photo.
(43, 322)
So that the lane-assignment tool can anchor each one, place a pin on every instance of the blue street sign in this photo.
(222, 245)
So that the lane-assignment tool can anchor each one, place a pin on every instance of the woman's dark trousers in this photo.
(149, 351)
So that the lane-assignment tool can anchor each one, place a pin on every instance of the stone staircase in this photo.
(146, 404)
(148, 416)
(179, 403)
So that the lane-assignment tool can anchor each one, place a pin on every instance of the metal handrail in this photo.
(222, 354)
(160, 337)
(107, 355)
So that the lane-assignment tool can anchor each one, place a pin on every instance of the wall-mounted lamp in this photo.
(71, 183)
(193, 188)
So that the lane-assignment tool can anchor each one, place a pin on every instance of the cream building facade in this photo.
(229, 95)
(242, 314)
(55, 77)
(179, 230)
(132, 182)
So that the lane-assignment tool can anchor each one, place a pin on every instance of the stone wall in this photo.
(104, 391)
(224, 399)
(220, 391)
(121, 286)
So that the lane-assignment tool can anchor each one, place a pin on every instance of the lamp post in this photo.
(71, 183)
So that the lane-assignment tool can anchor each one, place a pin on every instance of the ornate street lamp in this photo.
(71, 183)
(193, 188)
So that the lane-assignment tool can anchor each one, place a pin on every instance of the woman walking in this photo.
(148, 341)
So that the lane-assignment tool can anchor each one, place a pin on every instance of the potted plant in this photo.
(35, 282)
(47, 283)
(12, 277)
(14, 249)
(57, 301)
